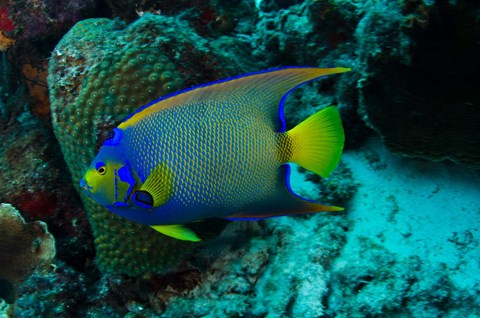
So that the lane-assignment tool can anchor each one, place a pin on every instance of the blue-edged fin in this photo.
(284, 202)
(317, 142)
(246, 92)
(179, 232)
(157, 188)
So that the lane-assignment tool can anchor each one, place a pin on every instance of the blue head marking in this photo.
(99, 164)
(125, 175)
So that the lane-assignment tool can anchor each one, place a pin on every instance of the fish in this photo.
(219, 150)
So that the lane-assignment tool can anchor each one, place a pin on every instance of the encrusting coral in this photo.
(23, 246)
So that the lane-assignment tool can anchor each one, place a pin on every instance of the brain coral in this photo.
(100, 72)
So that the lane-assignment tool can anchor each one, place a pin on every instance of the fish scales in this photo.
(216, 155)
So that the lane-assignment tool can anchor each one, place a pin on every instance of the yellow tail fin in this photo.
(317, 142)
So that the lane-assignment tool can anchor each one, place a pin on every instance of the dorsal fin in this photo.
(262, 93)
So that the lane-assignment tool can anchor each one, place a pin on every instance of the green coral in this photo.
(100, 72)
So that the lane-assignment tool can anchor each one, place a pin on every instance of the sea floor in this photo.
(413, 235)
(415, 207)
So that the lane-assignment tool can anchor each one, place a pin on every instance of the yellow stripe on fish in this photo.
(219, 150)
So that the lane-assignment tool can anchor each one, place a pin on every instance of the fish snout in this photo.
(85, 187)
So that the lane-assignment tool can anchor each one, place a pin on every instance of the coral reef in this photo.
(408, 243)
(432, 109)
(29, 30)
(83, 113)
(121, 246)
(24, 247)
(407, 254)
(338, 189)
(277, 268)
(24, 153)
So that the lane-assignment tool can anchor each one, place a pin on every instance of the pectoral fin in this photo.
(157, 189)
(178, 232)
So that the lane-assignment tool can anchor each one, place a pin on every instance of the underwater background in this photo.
(407, 244)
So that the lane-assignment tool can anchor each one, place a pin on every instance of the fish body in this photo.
(219, 150)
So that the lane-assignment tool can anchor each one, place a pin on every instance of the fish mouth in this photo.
(85, 187)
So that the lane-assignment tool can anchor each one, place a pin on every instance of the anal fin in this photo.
(284, 202)
(306, 208)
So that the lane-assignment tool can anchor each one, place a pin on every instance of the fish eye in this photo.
(101, 168)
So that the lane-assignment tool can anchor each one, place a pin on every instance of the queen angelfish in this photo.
(217, 150)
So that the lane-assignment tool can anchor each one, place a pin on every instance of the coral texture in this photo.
(40, 20)
(415, 286)
(59, 293)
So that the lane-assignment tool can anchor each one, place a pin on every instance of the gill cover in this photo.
(109, 183)
(110, 179)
